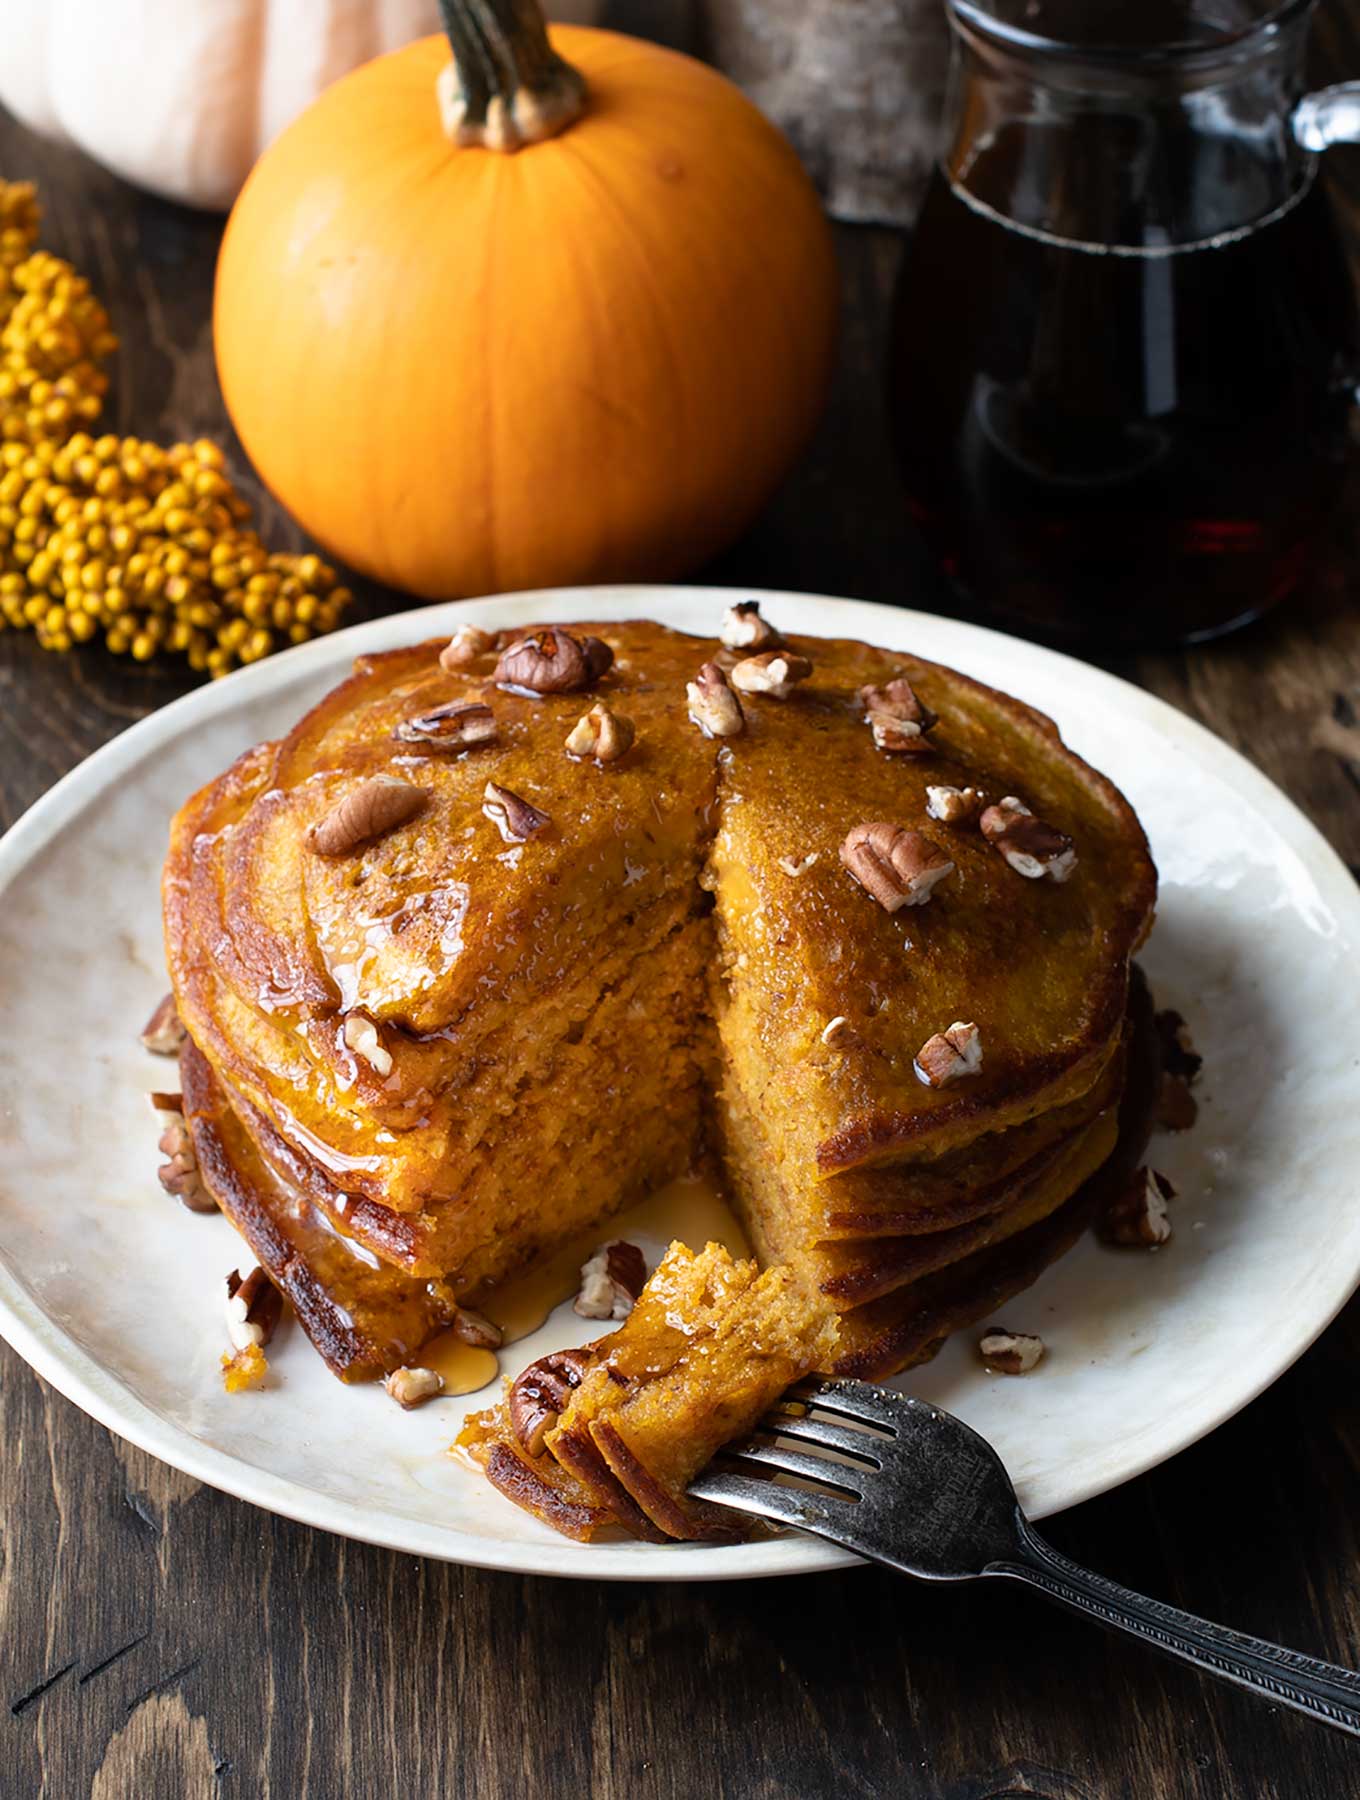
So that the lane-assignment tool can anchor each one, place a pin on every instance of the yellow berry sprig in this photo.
(152, 549)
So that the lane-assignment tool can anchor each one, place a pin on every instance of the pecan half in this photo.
(774, 673)
(611, 1281)
(950, 1054)
(512, 815)
(413, 1387)
(254, 1308)
(898, 867)
(461, 725)
(551, 661)
(368, 811)
(472, 1327)
(897, 718)
(601, 734)
(464, 647)
(164, 1031)
(713, 706)
(540, 1394)
(1032, 848)
(362, 1036)
(743, 628)
(1138, 1215)
(1010, 1352)
(952, 805)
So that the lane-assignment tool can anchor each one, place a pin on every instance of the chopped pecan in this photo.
(611, 1281)
(472, 1327)
(744, 629)
(797, 865)
(897, 718)
(601, 734)
(180, 1177)
(898, 867)
(835, 1029)
(1138, 1215)
(540, 1394)
(164, 1031)
(461, 725)
(950, 1054)
(952, 805)
(179, 1174)
(512, 815)
(552, 661)
(713, 706)
(1179, 1055)
(413, 1387)
(1032, 848)
(254, 1308)
(1010, 1352)
(362, 1036)
(464, 647)
(774, 673)
(367, 811)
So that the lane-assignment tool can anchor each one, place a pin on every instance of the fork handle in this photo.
(1321, 1690)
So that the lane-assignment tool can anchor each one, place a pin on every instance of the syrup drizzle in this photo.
(691, 1209)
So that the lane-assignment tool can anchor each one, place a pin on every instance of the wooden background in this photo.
(158, 1639)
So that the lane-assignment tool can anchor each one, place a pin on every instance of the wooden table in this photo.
(159, 1639)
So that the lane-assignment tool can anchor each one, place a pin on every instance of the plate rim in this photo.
(60, 1360)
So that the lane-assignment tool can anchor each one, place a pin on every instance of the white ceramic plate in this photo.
(112, 1292)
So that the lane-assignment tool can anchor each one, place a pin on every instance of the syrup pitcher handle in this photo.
(1330, 116)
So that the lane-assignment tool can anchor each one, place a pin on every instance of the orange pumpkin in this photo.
(464, 370)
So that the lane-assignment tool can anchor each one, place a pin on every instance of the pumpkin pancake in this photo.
(1042, 966)
(881, 1266)
(463, 998)
(906, 1198)
(364, 1317)
(908, 1327)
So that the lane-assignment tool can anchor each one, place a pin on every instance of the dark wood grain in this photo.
(158, 1639)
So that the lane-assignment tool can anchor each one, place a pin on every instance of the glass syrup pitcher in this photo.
(1125, 340)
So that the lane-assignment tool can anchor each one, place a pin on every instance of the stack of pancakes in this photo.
(419, 1065)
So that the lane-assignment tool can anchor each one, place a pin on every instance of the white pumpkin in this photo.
(181, 96)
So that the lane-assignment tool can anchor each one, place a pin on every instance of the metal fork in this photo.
(922, 1493)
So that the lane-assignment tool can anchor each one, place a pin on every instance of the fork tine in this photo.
(858, 1445)
(821, 1513)
(794, 1462)
(850, 1400)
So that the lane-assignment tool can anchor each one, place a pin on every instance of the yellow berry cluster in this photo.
(149, 548)
(18, 223)
(52, 342)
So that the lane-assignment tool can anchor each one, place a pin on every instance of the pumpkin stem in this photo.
(506, 85)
